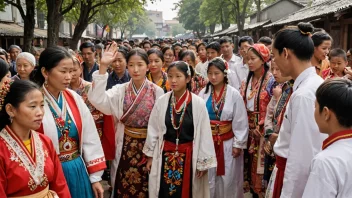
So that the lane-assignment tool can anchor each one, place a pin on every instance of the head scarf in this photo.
(262, 50)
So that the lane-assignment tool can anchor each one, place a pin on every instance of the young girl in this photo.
(273, 120)
(29, 164)
(155, 74)
(179, 143)
(229, 124)
(202, 55)
(130, 104)
(198, 81)
(70, 125)
(256, 96)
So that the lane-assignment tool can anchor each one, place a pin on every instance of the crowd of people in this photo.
(164, 118)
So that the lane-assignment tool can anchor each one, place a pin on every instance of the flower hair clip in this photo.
(5, 89)
(225, 63)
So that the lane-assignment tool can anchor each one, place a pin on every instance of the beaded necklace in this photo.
(173, 115)
(218, 103)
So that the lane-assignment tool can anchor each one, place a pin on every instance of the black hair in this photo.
(296, 39)
(138, 52)
(338, 53)
(265, 40)
(225, 39)
(16, 95)
(157, 52)
(87, 45)
(183, 67)
(189, 53)
(123, 50)
(4, 69)
(201, 44)
(319, 37)
(146, 42)
(250, 75)
(155, 44)
(220, 64)
(167, 48)
(176, 44)
(336, 95)
(215, 46)
(49, 59)
(99, 46)
(244, 39)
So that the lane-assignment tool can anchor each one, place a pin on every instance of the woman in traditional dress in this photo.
(75, 136)
(256, 95)
(155, 73)
(29, 164)
(130, 104)
(169, 57)
(273, 120)
(179, 143)
(198, 81)
(322, 45)
(25, 64)
(229, 125)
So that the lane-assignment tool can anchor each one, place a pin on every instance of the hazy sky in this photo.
(165, 6)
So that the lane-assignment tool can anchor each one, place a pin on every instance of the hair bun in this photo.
(305, 28)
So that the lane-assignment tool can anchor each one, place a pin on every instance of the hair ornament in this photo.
(225, 63)
(5, 89)
(188, 69)
(306, 33)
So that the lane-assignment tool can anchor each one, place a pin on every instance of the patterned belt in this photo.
(136, 132)
(220, 127)
(45, 193)
(68, 155)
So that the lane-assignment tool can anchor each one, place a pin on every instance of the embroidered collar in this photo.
(35, 166)
(336, 137)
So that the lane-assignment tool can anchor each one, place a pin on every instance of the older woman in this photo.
(25, 64)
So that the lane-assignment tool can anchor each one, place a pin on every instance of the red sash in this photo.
(186, 148)
(75, 111)
(219, 146)
(337, 136)
(108, 138)
(279, 180)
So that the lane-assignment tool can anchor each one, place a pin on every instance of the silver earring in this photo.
(11, 119)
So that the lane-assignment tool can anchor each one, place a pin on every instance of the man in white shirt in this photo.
(299, 139)
(331, 169)
(239, 70)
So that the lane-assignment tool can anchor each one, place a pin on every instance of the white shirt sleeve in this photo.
(240, 123)
(321, 180)
(305, 142)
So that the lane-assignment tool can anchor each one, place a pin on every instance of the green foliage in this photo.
(189, 15)
(177, 29)
(2, 5)
(216, 12)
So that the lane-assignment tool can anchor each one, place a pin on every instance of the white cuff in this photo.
(96, 177)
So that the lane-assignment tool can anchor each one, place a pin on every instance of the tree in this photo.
(177, 29)
(86, 11)
(28, 16)
(56, 9)
(239, 12)
(189, 16)
(259, 5)
(213, 12)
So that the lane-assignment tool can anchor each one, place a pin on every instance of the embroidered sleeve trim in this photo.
(205, 163)
(96, 165)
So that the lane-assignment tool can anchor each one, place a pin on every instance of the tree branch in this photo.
(68, 8)
(106, 2)
(90, 18)
(18, 6)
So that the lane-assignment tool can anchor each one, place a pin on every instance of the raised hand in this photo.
(108, 57)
